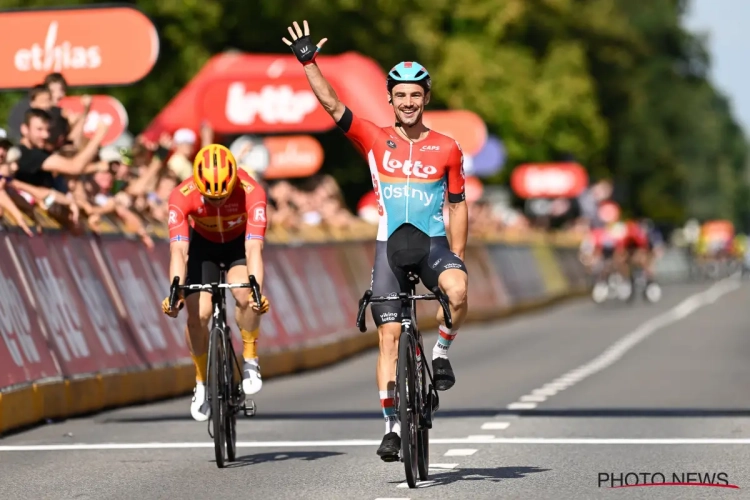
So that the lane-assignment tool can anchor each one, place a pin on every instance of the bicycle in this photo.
(224, 386)
(415, 407)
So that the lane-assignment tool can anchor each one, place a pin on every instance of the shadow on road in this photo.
(496, 474)
(262, 458)
(467, 413)
(327, 415)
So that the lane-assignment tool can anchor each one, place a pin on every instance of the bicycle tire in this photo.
(216, 386)
(232, 401)
(423, 436)
(407, 408)
(423, 433)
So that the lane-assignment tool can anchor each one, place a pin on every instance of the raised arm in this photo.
(303, 48)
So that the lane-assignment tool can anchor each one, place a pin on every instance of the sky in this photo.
(727, 22)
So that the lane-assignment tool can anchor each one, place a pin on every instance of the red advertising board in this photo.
(24, 355)
(104, 109)
(549, 180)
(60, 306)
(260, 105)
(78, 256)
(90, 46)
(154, 332)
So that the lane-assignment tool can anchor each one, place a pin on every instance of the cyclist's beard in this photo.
(408, 120)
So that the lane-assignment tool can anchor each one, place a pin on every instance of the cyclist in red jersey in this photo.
(218, 219)
(413, 168)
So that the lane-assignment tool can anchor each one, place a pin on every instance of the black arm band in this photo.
(345, 123)
(456, 198)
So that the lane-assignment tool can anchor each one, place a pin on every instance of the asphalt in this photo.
(672, 398)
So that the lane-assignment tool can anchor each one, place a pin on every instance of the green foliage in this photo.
(618, 84)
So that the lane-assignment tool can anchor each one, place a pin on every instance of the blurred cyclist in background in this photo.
(217, 218)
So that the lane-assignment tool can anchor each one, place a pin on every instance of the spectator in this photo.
(181, 163)
(37, 166)
(57, 87)
(40, 97)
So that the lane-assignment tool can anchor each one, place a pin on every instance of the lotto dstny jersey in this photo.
(410, 179)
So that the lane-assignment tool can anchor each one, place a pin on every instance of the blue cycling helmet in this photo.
(409, 72)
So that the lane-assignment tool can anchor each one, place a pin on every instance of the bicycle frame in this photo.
(409, 326)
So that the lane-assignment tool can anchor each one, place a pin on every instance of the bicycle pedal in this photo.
(249, 408)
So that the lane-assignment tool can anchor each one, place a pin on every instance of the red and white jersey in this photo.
(410, 179)
(243, 213)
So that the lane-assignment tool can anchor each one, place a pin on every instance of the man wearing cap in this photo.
(180, 163)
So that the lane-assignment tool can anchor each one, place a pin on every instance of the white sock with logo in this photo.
(444, 341)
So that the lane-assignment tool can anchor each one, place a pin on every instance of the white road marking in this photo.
(617, 350)
(420, 484)
(533, 398)
(366, 442)
(457, 452)
(481, 437)
(443, 466)
(393, 499)
(495, 426)
(521, 406)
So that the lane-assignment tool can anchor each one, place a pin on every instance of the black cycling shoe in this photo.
(389, 447)
(443, 374)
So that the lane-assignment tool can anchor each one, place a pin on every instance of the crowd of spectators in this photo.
(81, 183)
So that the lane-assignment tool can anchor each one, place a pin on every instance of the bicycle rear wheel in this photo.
(216, 387)
(232, 400)
(408, 408)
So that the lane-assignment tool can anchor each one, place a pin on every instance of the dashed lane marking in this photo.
(617, 350)
(495, 426)
(420, 484)
(522, 406)
(457, 452)
(443, 466)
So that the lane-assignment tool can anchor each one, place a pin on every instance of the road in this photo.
(545, 404)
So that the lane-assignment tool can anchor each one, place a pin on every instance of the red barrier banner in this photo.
(160, 282)
(110, 328)
(297, 284)
(287, 322)
(24, 354)
(154, 332)
(60, 306)
(335, 258)
(486, 292)
(322, 285)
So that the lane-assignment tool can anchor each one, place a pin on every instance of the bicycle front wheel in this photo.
(407, 402)
(232, 399)
(216, 375)
(423, 441)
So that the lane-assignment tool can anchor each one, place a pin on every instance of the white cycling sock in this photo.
(389, 412)
(444, 341)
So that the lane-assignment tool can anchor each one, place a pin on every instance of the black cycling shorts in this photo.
(408, 249)
(206, 257)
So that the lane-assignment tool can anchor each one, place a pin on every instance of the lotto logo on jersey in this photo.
(417, 169)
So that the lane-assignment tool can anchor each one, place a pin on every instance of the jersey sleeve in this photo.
(255, 204)
(361, 132)
(179, 210)
(456, 176)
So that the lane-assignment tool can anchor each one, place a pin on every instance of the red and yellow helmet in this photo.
(215, 171)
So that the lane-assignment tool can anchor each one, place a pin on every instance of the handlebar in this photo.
(437, 294)
(176, 287)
